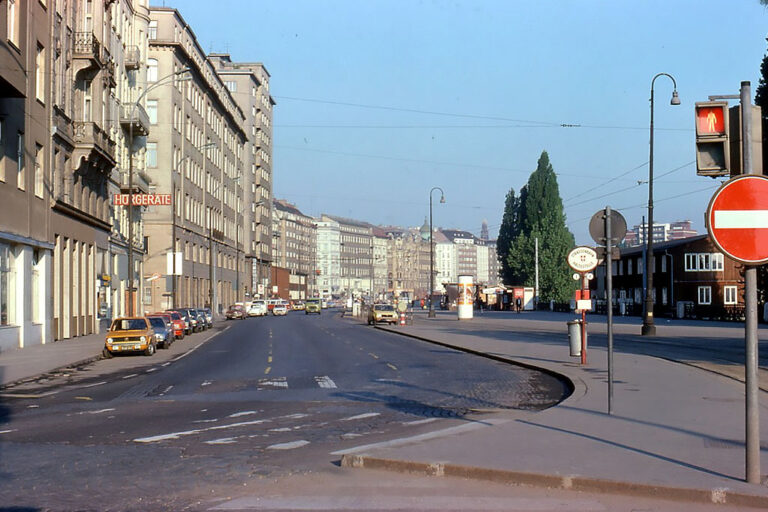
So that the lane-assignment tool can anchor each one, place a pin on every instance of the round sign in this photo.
(597, 227)
(582, 259)
(737, 219)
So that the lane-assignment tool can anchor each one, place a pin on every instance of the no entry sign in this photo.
(737, 219)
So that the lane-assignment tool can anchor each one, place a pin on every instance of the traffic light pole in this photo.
(750, 312)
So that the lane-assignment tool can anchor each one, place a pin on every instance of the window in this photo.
(40, 74)
(151, 70)
(705, 295)
(39, 155)
(717, 261)
(37, 317)
(151, 154)
(231, 85)
(729, 294)
(663, 263)
(691, 262)
(2, 150)
(152, 32)
(629, 267)
(13, 22)
(7, 284)
(20, 174)
(87, 100)
(152, 111)
(705, 262)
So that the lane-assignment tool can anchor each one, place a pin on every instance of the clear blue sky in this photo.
(379, 101)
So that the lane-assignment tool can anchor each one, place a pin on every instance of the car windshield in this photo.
(129, 324)
(383, 307)
(156, 321)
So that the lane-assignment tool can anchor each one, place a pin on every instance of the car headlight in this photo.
(159, 337)
(109, 341)
(143, 339)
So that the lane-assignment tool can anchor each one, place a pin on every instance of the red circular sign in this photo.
(737, 219)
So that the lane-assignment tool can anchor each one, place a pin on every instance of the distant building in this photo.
(294, 248)
(662, 232)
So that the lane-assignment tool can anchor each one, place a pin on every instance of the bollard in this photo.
(402, 318)
(574, 337)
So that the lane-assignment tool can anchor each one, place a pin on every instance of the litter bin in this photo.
(574, 337)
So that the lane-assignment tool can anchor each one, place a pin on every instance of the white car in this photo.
(258, 308)
(279, 310)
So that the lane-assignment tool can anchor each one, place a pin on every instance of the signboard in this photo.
(582, 259)
(142, 199)
(618, 227)
(737, 219)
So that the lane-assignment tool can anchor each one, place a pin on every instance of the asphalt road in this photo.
(264, 398)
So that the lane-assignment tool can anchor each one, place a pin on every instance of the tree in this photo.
(761, 100)
(537, 214)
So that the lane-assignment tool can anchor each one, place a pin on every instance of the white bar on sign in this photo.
(741, 219)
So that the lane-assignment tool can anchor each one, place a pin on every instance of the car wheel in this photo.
(107, 354)
(150, 349)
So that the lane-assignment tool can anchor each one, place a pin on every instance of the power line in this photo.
(607, 182)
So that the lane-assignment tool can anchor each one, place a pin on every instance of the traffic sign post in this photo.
(583, 260)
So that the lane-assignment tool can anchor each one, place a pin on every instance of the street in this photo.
(267, 397)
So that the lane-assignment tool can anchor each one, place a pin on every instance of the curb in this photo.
(718, 496)
(33, 378)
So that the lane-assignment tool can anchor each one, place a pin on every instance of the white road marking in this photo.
(288, 446)
(325, 382)
(176, 435)
(213, 420)
(362, 416)
(7, 431)
(96, 412)
(281, 429)
(223, 440)
(166, 390)
(277, 382)
(741, 219)
(206, 383)
(296, 416)
(166, 364)
(423, 437)
(131, 376)
(91, 385)
(244, 413)
(420, 422)
(350, 436)
(152, 370)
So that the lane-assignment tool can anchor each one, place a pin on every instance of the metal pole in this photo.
(173, 240)
(609, 293)
(649, 329)
(583, 320)
(431, 262)
(536, 283)
(750, 324)
(130, 211)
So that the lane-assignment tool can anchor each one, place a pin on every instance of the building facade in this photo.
(355, 256)
(328, 257)
(294, 248)
(194, 153)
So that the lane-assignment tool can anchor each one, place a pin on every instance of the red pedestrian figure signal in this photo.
(710, 120)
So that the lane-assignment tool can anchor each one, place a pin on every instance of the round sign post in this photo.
(737, 219)
(583, 260)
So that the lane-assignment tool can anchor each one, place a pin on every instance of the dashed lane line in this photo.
(392, 366)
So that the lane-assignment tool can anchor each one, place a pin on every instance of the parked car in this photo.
(258, 308)
(298, 306)
(313, 306)
(379, 313)
(193, 319)
(279, 310)
(209, 316)
(130, 334)
(235, 312)
(163, 327)
(179, 324)
(187, 320)
(202, 319)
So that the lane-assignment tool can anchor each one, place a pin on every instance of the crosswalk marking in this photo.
(325, 382)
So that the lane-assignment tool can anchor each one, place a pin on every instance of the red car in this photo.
(177, 321)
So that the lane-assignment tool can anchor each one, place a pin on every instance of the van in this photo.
(312, 306)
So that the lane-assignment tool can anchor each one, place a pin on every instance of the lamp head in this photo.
(442, 198)
(675, 98)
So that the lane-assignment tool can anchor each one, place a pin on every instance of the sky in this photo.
(380, 101)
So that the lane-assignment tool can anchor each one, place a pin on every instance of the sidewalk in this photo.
(677, 431)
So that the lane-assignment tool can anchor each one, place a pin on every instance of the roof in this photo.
(285, 206)
(454, 234)
(662, 246)
(348, 222)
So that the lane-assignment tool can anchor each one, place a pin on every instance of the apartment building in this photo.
(408, 261)
(26, 249)
(248, 83)
(380, 262)
(355, 256)
(195, 153)
(328, 257)
(294, 247)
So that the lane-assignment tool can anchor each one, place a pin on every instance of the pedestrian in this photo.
(518, 304)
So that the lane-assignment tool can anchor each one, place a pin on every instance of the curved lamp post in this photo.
(166, 79)
(649, 328)
(432, 252)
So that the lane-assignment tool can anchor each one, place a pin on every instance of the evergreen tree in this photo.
(507, 232)
(538, 213)
(761, 100)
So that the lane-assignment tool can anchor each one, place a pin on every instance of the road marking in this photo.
(269, 359)
(27, 395)
(131, 376)
(325, 382)
(91, 385)
(7, 431)
(277, 382)
(212, 420)
(741, 219)
(83, 398)
(392, 366)
(166, 390)
(151, 370)
(373, 355)
(223, 440)
(206, 383)
(96, 412)
(166, 364)
(243, 413)
(420, 422)
(176, 435)
(362, 416)
(288, 446)
(269, 369)
(423, 437)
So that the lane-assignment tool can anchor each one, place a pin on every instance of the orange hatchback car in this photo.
(130, 335)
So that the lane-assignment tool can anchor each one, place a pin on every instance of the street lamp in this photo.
(432, 253)
(649, 329)
(162, 81)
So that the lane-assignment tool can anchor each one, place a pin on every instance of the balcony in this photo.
(87, 47)
(139, 120)
(93, 143)
(132, 58)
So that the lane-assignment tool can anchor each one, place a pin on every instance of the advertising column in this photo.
(465, 298)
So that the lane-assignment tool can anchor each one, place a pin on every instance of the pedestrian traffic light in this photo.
(713, 152)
